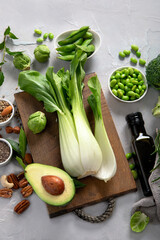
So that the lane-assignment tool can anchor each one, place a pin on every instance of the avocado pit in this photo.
(52, 184)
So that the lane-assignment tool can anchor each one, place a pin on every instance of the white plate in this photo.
(10, 155)
(7, 121)
(96, 40)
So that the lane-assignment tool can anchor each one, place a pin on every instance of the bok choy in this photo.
(62, 92)
(108, 167)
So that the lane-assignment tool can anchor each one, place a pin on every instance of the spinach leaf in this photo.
(1, 78)
(21, 163)
(15, 146)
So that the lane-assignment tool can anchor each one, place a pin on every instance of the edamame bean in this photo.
(125, 98)
(131, 71)
(122, 55)
(135, 174)
(133, 60)
(121, 85)
(51, 36)
(45, 35)
(140, 77)
(38, 31)
(134, 75)
(134, 82)
(126, 72)
(137, 90)
(132, 166)
(119, 93)
(67, 57)
(127, 52)
(130, 85)
(114, 91)
(116, 86)
(40, 40)
(134, 48)
(142, 61)
(88, 35)
(141, 82)
(142, 92)
(138, 54)
(137, 95)
(144, 87)
(126, 88)
(133, 88)
(123, 75)
(131, 94)
(117, 75)
(113, 83)
(140, 88)
(129, 155)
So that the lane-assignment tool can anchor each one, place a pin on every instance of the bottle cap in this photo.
(134, 119)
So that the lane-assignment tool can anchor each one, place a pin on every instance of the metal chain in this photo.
(97, 219)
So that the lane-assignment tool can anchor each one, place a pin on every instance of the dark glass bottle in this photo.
(143, 146)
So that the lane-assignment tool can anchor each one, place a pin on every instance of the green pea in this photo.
(135, 174)
(120, 93)
(144, 87)
(131, 71)
(137, 90)
(133, 88)
(137, 95)
(132, 166)
(142, 61)
(45, 35)
(129, 155)
(130, 85)
(38, 31)
(114, 91)
(134, 48)
(113, 83)
(131, 94)
(127, 52)
(40, 40)
(138, 54)
(51, 36)
(117, 75)
(122, 55)
(121, 86)
(140, 77)
(140, 88)
(142, 92)
(133, 60)
(125, 98)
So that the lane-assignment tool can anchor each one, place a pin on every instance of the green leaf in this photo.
(1, 63)
(20, 161)
(12, 36)
(1, 78)
(37, 85)
(138, 221)
(78, 184)
(13, 53)
(22, 142)
(7, 31)
(2, 45)
(15, 146)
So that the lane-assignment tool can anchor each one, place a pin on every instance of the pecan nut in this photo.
(23, 183)
(21, 206)
(6, 193)
(27, 191)
(12, 178)
(20, 176)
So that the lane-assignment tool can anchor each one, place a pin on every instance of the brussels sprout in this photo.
(37, 122)
(42, 53)
(22, 62)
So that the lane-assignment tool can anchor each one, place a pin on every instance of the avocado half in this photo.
(33, 174)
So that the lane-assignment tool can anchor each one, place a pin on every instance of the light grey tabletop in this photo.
(119, 23)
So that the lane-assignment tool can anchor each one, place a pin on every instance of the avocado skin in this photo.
(33, 174)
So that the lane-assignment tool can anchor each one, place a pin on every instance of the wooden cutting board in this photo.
(45, 149)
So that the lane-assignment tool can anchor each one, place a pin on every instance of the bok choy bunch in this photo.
(62, 92)
(108, 167)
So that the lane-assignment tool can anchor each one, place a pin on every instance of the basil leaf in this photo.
(1, 78)
(15, 146)
(78, 184)
(7, 31)
(2, 45)
(22, 142)
(1, 63)
(12, 36)
(12, 53)
(21, 163)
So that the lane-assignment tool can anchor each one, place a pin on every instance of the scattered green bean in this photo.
(132, 166)
(122, 55)
(135, 174)
(38, 31)
(51, 36)
(142, 61)
(138, 54)
(45, 35)
(129, 155)
(40, 40)
(134, 48)
(88, 35)
(133, 60)
(127, 52)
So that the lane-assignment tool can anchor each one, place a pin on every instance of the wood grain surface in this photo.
(45, 149)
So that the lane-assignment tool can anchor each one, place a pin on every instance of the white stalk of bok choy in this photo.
(109, 166)
(49, 90)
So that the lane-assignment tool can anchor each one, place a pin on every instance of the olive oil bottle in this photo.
(143, 146)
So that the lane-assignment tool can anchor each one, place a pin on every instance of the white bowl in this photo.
(132, 101)
(96, 40)
(8, 120)
(10, 155)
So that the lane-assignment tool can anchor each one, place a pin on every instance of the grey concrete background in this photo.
(119, 24)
